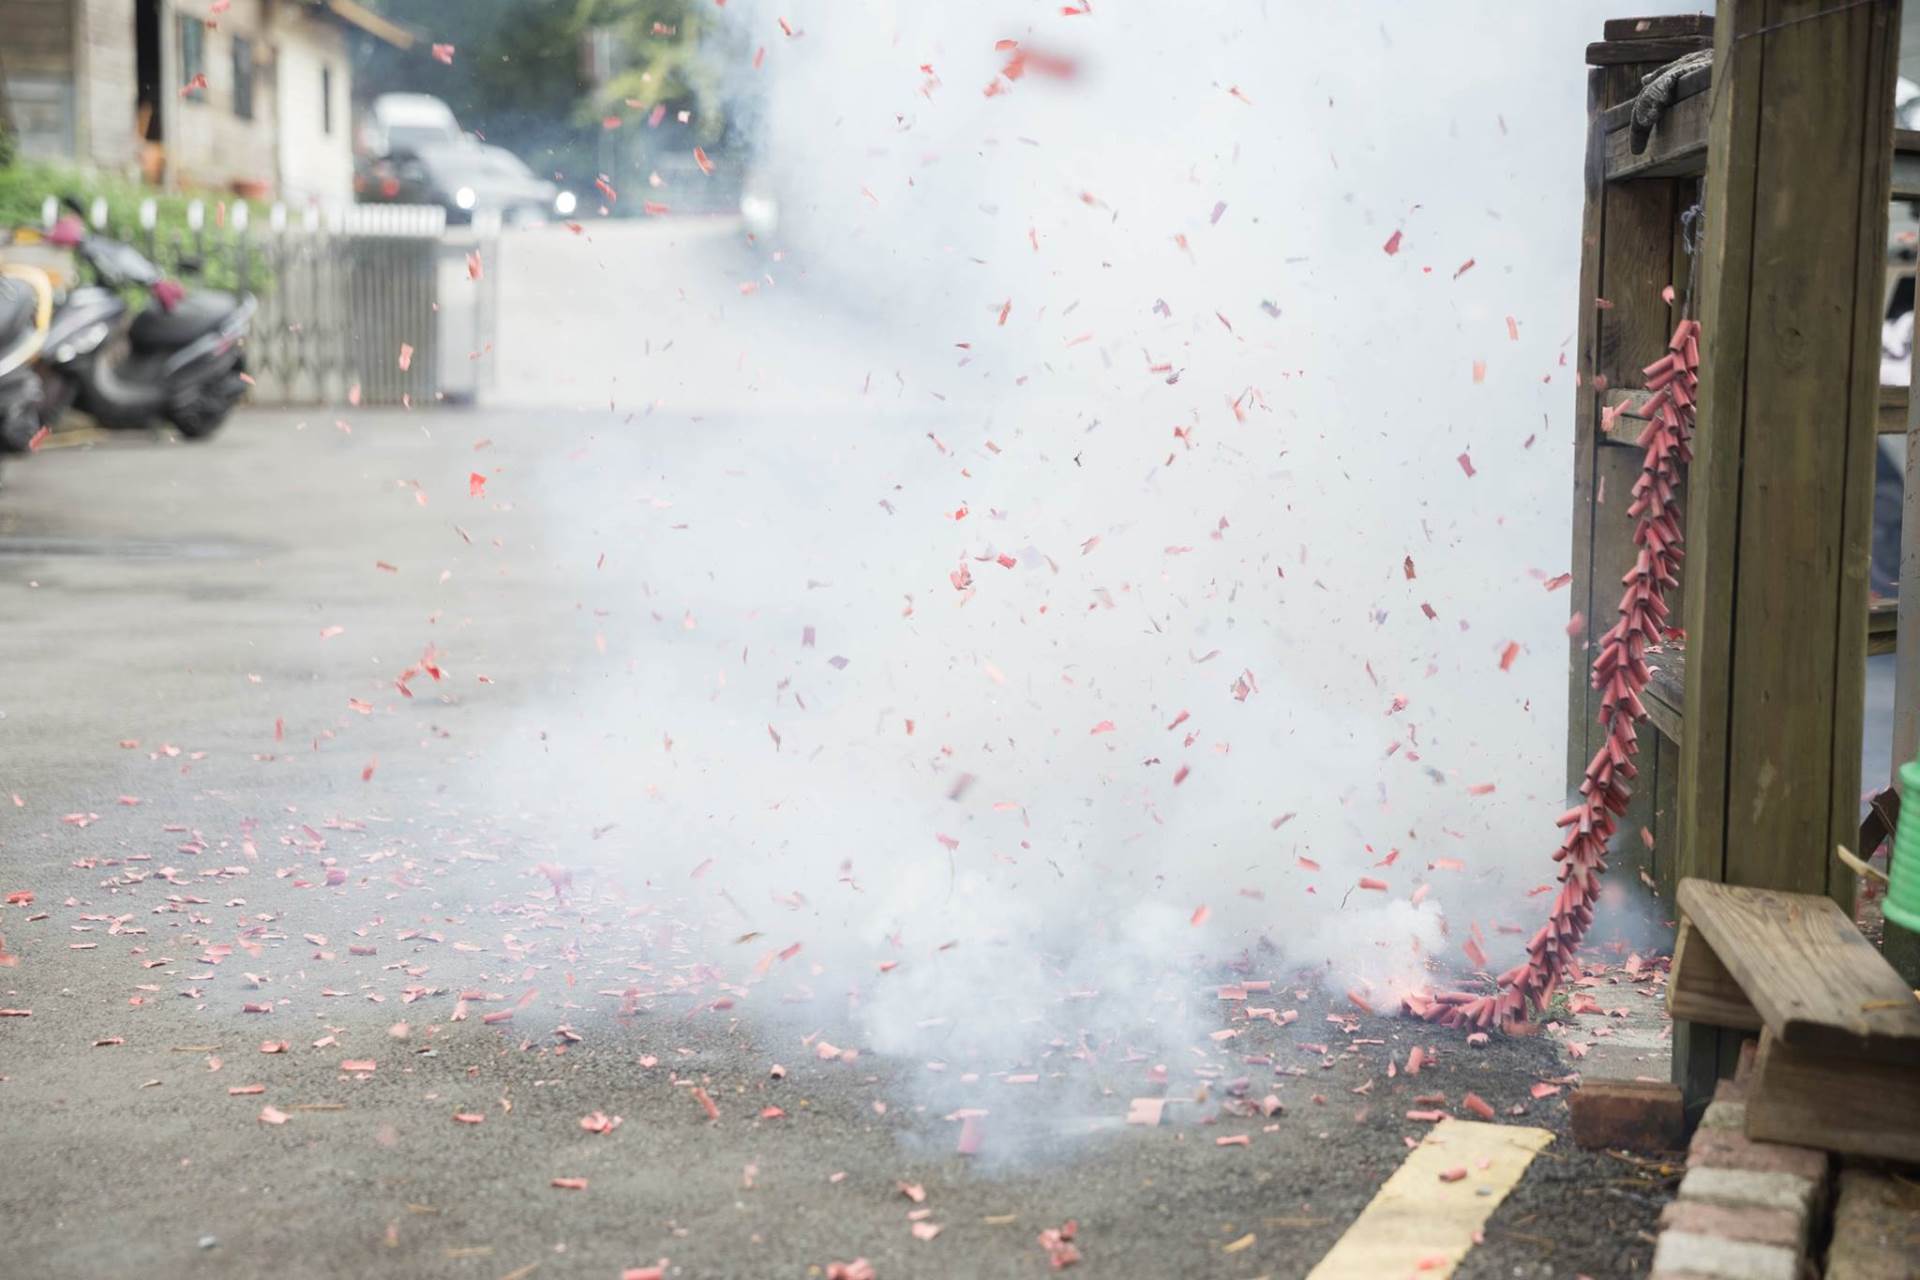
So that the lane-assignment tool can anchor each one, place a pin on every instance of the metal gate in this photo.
(362, 304)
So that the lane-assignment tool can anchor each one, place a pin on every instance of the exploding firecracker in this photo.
(1620, 673)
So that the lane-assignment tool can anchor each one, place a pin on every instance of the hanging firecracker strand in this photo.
(1620, 674)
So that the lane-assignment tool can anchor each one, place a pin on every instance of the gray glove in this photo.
(1656, 94)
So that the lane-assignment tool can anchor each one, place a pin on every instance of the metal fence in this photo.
(368, 304)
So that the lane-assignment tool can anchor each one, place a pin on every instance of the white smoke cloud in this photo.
(1114, 431)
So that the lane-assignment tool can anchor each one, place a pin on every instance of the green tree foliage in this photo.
(665, 55)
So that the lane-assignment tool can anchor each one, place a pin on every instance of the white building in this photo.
(250, 97)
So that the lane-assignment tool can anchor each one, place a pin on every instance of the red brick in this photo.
(1637, 1115)
(1719, 1149)
(1780, 1227)
(1876, 1227)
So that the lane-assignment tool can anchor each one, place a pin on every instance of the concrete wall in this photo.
(37, 55)
(105, 107)
(207, 144)
(72, 83)
(316, 164)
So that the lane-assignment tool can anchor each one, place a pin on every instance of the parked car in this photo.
(397, 122)
(468, 177)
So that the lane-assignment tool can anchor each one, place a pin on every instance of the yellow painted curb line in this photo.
(1419, 1226)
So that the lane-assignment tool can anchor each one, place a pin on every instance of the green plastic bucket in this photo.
(1902, 905)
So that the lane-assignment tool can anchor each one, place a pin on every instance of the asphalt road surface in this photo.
(313, 967)
(192, 823)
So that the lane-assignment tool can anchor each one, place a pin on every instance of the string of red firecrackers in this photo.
(1620, 674)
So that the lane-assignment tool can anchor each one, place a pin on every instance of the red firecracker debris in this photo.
(1620, 673)
(599, 1122)
(1058, 1242)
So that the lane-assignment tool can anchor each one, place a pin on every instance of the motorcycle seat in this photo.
(156, 329)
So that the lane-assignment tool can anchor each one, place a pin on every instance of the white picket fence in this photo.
(342, 290)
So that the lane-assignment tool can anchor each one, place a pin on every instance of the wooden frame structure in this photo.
(1787, 144)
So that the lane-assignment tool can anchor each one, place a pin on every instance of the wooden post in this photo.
(1630, 249)
(1781, 499)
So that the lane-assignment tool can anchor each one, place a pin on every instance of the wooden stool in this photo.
(1839, 1061)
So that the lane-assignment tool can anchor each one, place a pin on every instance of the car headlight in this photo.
(464, 197)
(761, 213)
(564, 204)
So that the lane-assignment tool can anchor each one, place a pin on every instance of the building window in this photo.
(193, 59)
(326, 101)
(243, 77)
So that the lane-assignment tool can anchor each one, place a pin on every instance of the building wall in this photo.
(37, 54)
(316, 147)
(207, 144)
(105, 98)
(72, 83)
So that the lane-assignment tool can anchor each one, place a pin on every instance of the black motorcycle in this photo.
(179, 358)
(26, 303)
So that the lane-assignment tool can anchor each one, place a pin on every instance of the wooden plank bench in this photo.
(1839, 1061)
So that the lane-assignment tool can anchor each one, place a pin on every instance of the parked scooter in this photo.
(179, 358)
(26, 309)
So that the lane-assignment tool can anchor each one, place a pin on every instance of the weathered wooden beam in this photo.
(1586, 418)
(1678, 145)
(1701, 989)
(1890, 412)
(1664, 27)
(1666, 692)
(1906, 164)
(1834, 1103)
(1799, 156)
(1630, 238)
(1806, 968)
(1665, 697)
(1610, 53)
(1622, 422)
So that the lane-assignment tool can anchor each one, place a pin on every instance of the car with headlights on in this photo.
(469, 177)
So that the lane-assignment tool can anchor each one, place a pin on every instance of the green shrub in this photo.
(25, 185)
